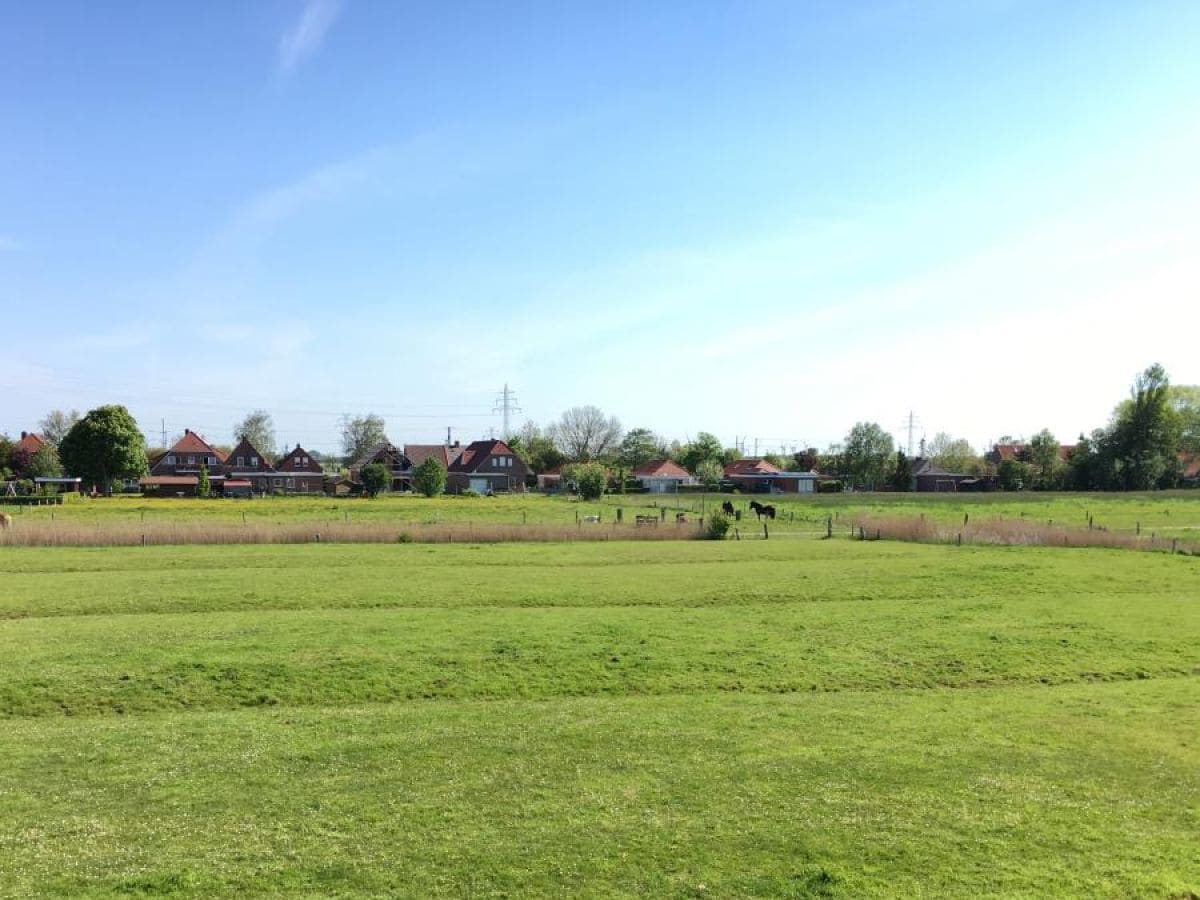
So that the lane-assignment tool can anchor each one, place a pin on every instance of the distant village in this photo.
(1152, 442)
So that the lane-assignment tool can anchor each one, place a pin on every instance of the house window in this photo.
(212, 460)
(253, 462)
(191, 460)
(278, 481)
(291, 482)
(241, 461)
(170, 460)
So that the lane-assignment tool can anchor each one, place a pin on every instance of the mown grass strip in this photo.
(1087, 790)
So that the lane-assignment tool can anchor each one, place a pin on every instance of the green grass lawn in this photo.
(772, 718)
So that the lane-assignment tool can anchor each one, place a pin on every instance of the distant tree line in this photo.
(1142, 447)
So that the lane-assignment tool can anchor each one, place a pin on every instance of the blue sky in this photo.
(766, 220)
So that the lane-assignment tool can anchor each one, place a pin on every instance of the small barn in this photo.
(661, 476)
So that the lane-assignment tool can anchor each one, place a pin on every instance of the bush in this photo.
(590, 480)
(429, 477)
(717, 526)
(375, 479)
(830, 487)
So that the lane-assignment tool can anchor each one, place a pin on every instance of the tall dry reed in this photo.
(1009, 532)
(131, 534)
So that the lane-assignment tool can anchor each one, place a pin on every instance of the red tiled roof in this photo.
(477, 451)
(661, 468)
(193, 443)
(750, 466)
(30, 443)
(418, 453)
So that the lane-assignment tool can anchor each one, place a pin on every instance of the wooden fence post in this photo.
(766, 534)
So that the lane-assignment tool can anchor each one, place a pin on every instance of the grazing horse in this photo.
(756, 508)
(727, 508)
(5, 521)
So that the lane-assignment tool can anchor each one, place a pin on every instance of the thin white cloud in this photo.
(307, 33)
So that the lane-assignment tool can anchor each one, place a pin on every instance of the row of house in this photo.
(239, 473)
(485, 467)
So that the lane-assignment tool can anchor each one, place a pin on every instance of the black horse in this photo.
(727, 508)
(768, 511)
(757, 508)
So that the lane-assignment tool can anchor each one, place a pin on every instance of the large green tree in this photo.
(640, 446)
(705, 448)
(867, 455)
(1146, 433)
(1048, 470)
(103, 447)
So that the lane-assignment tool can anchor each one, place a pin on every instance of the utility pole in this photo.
(164, 434)
(506, 405)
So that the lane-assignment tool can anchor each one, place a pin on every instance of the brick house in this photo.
(246, 464)
(486, 467)
(177, 471)
(300, 473)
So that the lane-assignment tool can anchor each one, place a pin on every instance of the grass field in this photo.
(794, 718)
(1167, 514)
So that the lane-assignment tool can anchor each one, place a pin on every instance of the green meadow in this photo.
(1171, 513)
(795, 718)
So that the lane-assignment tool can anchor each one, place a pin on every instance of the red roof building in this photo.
(487, 467)
(661, 476)
(29, 443)
(751, 465)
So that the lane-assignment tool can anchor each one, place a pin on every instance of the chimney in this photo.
(447, 435)
(24, 434)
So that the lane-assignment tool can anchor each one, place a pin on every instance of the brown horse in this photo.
(5, 521)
